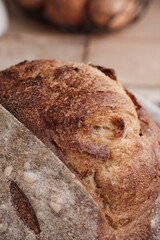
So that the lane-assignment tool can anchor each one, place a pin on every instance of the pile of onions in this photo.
(90, 15)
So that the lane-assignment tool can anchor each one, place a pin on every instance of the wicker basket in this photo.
(87, 15)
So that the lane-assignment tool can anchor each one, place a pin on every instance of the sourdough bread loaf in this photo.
(101, 133)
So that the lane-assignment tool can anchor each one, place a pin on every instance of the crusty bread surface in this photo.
(99, 130)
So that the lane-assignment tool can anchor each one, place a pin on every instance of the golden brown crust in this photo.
(98, 129)
(148, 125)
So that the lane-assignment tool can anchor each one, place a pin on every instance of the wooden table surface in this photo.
(134, 52)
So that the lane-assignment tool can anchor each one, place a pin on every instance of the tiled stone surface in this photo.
(135, 62)
(16, 47)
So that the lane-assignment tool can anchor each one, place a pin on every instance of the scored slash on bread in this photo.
(99, 130)
(24, 208)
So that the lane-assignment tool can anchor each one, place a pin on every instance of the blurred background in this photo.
(134, 51)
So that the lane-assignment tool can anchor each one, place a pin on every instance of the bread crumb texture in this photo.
(99, 130)
(8, 171)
